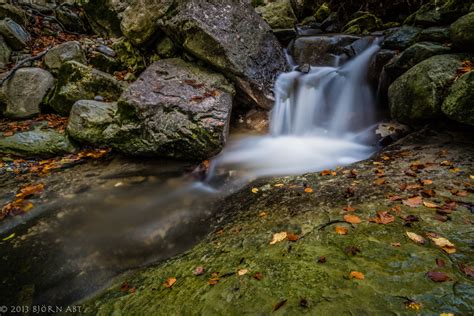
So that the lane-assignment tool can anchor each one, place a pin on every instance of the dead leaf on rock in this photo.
(442, 242)
(437, 276)
(413, 201)
(383, 217)
(352, 219)
(242, 272)
(198, 271)
(292, 237)
(341, 230)
(349, 208)
(428, 193)
(467, 270)
(380, 181)
(254, 190)
(278, 237)
(396, 244)
(308, 190)
(356, 275)
(416, 238)
(169, 282)
(430, 205)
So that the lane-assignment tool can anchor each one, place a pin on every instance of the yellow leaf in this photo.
(170, 282)
(279, 185)
(9, 237)
(242, 272)
(356, 275)
(416, 238)
(443, 243)
(446, 314)
(430, 205)
(254, 190)
(278, 237)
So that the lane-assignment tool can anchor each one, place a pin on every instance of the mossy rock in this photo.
(363, 24)
(458, 104)
(79, 82)
(439, 12)
(128, 55)
(401, 38)
(462, 33)
(322, 13)
(417, 95)
(279, 15)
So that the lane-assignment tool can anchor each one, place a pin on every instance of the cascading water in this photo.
(321, 120)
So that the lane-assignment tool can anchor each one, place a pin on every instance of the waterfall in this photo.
(321, 119)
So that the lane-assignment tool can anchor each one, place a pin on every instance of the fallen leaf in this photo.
(352, 219)
(428, 193)
(396, 244)
(430, 205)
(322, 259)
(410, 219)
(279, 185)
(413, 305)
(242, 272)
(213, 281)
(198, 271)
(258, 276)
(437, 276)
(413, 201)
(379, 181)
(416, 238)
(352, 250)
(308, 190)
(467, 270)
(356, 275)
(169, 283)
(446, 314)
(426, 182)
(292, 237)
(262, 214)
(459, 193)
(341, 230)
(446, 163)
(278, 237)
(254, 190)
(279, 305)
(9, 237)
(440, 263)
(454, 170)
(383, 217)
(442, 242)
(394, 198)
(349, 208)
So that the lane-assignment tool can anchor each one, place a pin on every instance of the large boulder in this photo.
(37, 143)
(24, 92)
(462, 32)
(175, 109)
(363, 24)
(79, 82)
(401, 38)
(104, 16)
(279, 14)
(417, 95)
(458, 104)
(90, 120)
(436, 34)
(439, 12)
(320, 50)
(62, 53)
(14, 34)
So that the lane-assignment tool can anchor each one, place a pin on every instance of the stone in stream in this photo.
(363, 24)
(24, 92)
(14, 34)
(458, 104)
(320, 50)
(435, 34)
(462, 33)
(89, 121)
(417, 95)
(64, 52)
(79, 82)
(401, 38)
(174, 109)
(36, 143)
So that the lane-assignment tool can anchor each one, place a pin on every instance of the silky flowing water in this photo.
(322, 119)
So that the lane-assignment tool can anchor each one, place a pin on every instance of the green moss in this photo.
(322, 13)
(129, 56)
(364, 23)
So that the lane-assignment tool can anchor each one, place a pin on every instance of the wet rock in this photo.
(320, 50)
(322, 13)
(89, 120)
(417, 95)
(79, 82)
(5, 53)
(285, 36)
(36, 143)
(462, 33)
(305, 68)
(25, 90)
(412, 56)
(401, 38)
(279, 14)
(363, 24)
(14, 34)
(174, 109)
(68, 51)
(438, 12)
(381, 58)
(458, 103)
(233, 38)
(358, 46)
(435, 34)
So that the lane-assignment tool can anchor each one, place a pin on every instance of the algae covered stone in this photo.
(174, 109)
(36, 143)
(458, 105)
(462, 32)
(417, 95)
(363, 24)
(79, 82)
(401, 38)
(279, 14)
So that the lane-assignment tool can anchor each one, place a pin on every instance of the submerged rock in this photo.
(462, 33)
(89, 121)
(25, 90)
(79, 82)
(417, 95)
(174, 109)
(68, 51)
(458, 104)
(37, 143)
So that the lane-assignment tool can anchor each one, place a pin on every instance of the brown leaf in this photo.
(258, 276)
(169, 282)
(352, 219)
(379, 181)
(341, 230)
(413, 201)
(437, 276)
(426, 182)
(352, 250)
(279, 305)
(428, 193)
(292, 237)
(325, 172)
(383, 217)
(442, 242)
(213, 281)
(322, 259)
(416, 238)
(394, 198)
(467, 270)
(430, 205)
(440, 263)
(356, 275)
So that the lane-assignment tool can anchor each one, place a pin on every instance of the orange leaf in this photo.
(379, 181)
(356, 275)
(353, 219)
(341, 230)
(308, 190)
(349, 208)
(430, 205)
(413, 201)
(292, 237)
(169, 283)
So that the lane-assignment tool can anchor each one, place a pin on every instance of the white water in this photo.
(321, 120)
